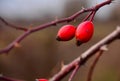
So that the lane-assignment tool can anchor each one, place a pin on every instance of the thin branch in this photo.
(52, 23)
(13, 44)
(93, 14)
(86, 18)
(74, 72)
(97, 57)
(4, 78)
(86, 55)
(12, 26)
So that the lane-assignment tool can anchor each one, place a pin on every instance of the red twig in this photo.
(74, 72)
(93, 14)
(30, 31)
(86, 55)
(13, 26)
(4, 78)
(86, 18)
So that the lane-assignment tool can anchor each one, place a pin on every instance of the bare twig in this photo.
(86, 18)
(13, 26)
(30, 31)
(4, 78)
(92, 17)
(74, 72)
(86, 55)
(97, 57)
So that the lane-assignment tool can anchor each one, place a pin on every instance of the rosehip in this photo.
(42, 80)
(84, 32)
(66, 33)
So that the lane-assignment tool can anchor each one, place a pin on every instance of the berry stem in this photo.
(86, 18)
(92, 16)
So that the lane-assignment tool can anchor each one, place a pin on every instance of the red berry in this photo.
(66, 33)
(42, 80)
(84, 32)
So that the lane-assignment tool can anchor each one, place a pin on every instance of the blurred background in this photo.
(40, 55)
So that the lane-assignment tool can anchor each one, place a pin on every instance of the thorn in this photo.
(30, 27)
(83, 8)
(104, 48)
(56, 18)
(63, 66)
(118, 28)
(17, 45)
(54, 23)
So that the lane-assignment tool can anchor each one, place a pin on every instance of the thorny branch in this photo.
(52, 23)
(80, 60)
(86, 55)
(83, 58)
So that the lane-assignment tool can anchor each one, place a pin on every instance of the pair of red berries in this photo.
(83, 32)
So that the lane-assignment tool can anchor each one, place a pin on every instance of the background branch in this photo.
(86, 55)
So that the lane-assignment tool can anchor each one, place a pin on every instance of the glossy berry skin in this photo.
(66, 33)
(42, 80)
(84, 32)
